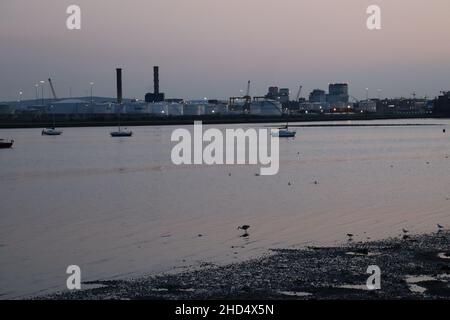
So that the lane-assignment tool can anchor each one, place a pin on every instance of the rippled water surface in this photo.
(118, 208)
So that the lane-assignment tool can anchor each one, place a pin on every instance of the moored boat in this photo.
(51, 132)
(285, 132)
(6, 144)
(122, 133)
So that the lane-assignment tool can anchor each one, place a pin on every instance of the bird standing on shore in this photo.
(405, 231)
(244, 227)
(350, 237)
(440, 227)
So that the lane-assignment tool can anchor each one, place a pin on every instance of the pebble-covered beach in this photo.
(412, 267)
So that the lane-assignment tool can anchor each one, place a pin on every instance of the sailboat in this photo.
(6, 144)
(284, 132)
(120, 132)
(51, 131)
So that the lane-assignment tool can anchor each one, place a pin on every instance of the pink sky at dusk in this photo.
(212, 47)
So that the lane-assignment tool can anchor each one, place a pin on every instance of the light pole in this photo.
(92, 93)
(20, 98)
(42, 82)
(367, 94)
(36, 87)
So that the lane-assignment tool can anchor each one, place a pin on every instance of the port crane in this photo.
(53, 89)
(299, 93)
(246, 98)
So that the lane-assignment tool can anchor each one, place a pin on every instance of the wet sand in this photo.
(417, 267)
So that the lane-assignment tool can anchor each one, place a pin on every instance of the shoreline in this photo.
(111, 121)
(417, 267)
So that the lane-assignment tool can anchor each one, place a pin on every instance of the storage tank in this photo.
(159, 108)
(136, 108)
(175, 109)
(219, 108)
(103, 108)
(266, 107)
(194, 108)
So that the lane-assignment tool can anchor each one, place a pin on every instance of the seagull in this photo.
(440, 227)
(350, 237)
(405, 231)
(245, 227)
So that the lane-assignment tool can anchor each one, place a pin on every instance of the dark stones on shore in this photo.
(310, 273)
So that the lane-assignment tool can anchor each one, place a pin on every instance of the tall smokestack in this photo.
(156, 80)
(119, 85)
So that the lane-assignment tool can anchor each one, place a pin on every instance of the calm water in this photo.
(118, 208)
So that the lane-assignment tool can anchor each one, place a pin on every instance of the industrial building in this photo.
(442, 103)
(317, 96)
(338, 94)
(156, 96)
(70, 106)
(366, 106)
(281, 95)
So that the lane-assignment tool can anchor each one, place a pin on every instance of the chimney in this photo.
(156, 80)
(119, 85)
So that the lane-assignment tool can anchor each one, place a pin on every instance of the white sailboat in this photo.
(120, 132)
(284, 132)
(52, 131)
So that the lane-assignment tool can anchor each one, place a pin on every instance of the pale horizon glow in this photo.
(211, 48)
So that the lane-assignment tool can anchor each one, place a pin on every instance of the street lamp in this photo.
(92, 92)
(36, 87)
(367, 94)
(42, 82)
(20, 98)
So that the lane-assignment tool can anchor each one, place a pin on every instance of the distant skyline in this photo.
(211, 48)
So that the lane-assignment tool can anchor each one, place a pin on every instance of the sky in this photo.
(211, 48)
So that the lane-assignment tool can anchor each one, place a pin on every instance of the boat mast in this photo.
(119, 91)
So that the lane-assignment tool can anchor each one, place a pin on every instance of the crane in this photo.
(299, 93)
(53, 89)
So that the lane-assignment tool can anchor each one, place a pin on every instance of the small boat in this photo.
(6, 144)
(51, 132)
(284, 133)
(121, 133)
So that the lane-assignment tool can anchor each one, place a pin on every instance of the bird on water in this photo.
(244, 227)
